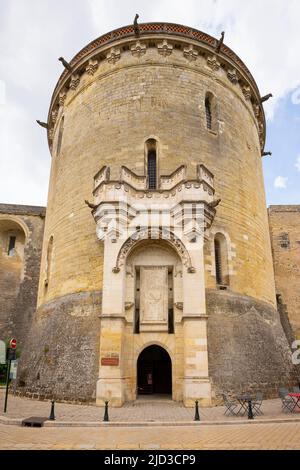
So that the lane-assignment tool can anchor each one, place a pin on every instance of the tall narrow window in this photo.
(136, 323)
(60, 135)
(49, 261)
(151, 149)
(11, 246)
(221, 260)
(208, 112)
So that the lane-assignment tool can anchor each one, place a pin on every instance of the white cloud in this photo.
(297, 164)
(296, 96)
(280, 182)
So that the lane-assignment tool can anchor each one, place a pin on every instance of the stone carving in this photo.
(54, 115)
(114, 55)
(233, 76)
(213, 62)
(256, 109)
(154, 294)
(128, 305)
(266, 97)
(65, 64)
(164, 48)
(190, 53)
(247, 92)
(136, 26)
(75, 80)
(62, 98)
(154, 233)
(138, 49)
(92, 67)
(179, 305)
(220, 42)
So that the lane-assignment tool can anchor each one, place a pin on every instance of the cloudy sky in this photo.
(34, 33)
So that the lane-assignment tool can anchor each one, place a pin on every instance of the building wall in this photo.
(285, 237)
(20, 269)
(107, 117)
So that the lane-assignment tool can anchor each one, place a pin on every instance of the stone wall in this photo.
(285, 238)
(19, 271)
(247, 348)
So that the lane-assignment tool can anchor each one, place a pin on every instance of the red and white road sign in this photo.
(13, 343)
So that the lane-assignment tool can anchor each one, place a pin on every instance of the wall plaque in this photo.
(110, 361)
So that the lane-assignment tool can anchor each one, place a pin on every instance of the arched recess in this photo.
(155, 234)
(49, 261)
(13, 236)
(221, 260)
(60, 136)
(154, 371)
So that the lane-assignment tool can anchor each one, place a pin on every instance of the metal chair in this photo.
(230, 406)
(256, 404)
(287, 402)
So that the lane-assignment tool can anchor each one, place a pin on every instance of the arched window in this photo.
(211, 112)
(60, 135)
(151, 155)
(221, 260)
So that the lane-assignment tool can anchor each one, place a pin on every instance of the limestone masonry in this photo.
(156, 271)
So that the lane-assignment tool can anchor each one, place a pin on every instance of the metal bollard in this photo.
(52, 415)
(106, 418)
(250, 412)
(197, 416)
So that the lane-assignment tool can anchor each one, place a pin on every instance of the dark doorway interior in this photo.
(154, 372)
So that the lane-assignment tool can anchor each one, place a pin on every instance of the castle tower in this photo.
(163, 282)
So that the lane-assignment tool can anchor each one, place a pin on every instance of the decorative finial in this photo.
(65, 64)
(220, 42)
(42, 124)
(136, 26)
(265, 98)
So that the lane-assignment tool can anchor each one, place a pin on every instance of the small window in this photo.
(284, 241)
(151, 156)
(221, 260)
(11, 246)
(208, 113)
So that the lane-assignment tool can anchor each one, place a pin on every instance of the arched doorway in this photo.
(154, 372)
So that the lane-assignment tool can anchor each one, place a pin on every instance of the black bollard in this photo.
(197, 416)
(106, 418)
(52, 415)
(250, 412)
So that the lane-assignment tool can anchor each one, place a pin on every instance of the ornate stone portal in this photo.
(153, 279)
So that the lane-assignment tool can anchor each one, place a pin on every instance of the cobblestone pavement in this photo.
(207, 437)
(145, 410)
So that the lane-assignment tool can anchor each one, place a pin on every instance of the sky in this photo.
(34, 33)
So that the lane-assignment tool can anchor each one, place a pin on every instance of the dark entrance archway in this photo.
(154, 371)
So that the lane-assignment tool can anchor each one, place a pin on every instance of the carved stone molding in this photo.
(138, 49)
(213, 62)
(247, 92)
(154, 233)
(114, 55)
(190, 53)
(179, 305)
(164, 48)
(92, 67)
(54, 115)
(75, 80)
(62, 98)
(233, 76)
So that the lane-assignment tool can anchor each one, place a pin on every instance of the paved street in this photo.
(221, 437)
(146, 410)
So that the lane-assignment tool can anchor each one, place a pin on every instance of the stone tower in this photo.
(155, 285)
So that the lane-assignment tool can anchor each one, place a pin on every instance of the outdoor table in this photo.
(296, 398)
(246, 403)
